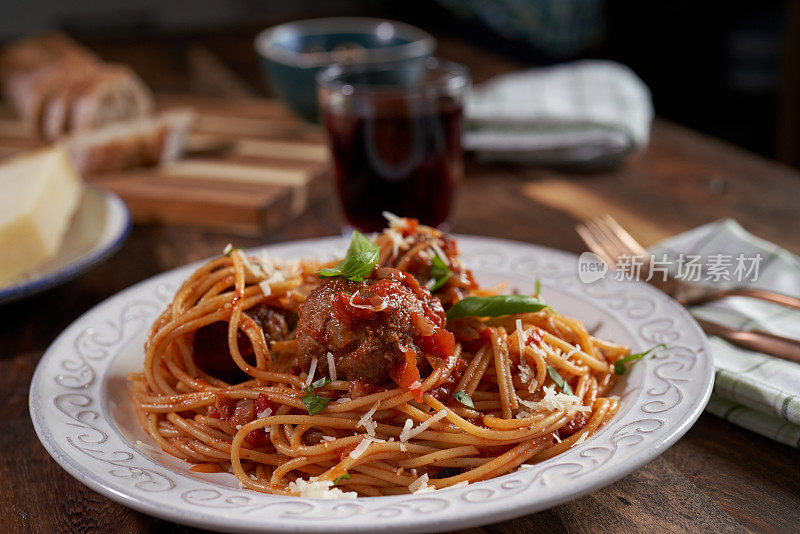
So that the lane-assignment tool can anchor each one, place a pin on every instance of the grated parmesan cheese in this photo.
(581, 439)
(319, 489)
(255, 271)
(366, 420)
(406, 428)
(394, 220)
(266, 288)
(328, 438)
(398, 241)
(311, 370)
(266, 413)
(553, 402)
(533, 385)
(461, 484)
(362, 447)
(555, 437)
(343, 400)
(409, 433)
(439, 252)
(420, 485)
(227, 249)
(525, 372)
(331, 366)
(525, 466)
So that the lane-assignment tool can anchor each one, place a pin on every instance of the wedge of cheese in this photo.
(39, 193)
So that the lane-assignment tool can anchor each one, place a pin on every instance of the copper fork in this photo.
(606, 238)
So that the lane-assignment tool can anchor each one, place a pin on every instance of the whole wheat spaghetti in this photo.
(374, 376)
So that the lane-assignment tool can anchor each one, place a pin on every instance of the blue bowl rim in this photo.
(454, 77)
(421, 43)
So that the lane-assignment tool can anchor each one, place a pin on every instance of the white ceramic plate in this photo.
(81, 412)
(99, 227)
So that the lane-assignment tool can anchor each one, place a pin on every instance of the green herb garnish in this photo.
(538, 287)
(315, 403)
(324, 381)
(495, 306)
(345, 476)
(447, 472)
(559, 380)
(464, 398)
(619, 365)
(440, 272)
(358, 262)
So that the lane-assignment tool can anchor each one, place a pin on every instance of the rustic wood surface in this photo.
(250, 165)
(717, 478)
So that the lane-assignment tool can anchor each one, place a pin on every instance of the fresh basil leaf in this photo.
(440, 272)
(559, 380)
(495, 306)
(345, 476)
(315, 403)
(619, 365)
(324, 381)
(358, 262)
(463, 398)
(447, 472)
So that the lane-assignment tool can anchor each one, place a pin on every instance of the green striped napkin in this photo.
(753, 390)
(584, 113)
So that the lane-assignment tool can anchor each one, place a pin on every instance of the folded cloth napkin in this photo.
(753, 390)
(586, 113)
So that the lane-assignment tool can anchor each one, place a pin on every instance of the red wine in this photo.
(398, 156)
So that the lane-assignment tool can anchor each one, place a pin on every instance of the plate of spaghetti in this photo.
(407, 381)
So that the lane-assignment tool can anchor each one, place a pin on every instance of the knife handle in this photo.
(779, 346)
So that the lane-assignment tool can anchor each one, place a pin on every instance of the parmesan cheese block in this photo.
(39, 193)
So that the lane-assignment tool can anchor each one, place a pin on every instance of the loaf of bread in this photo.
(58, 87)
(99, 96)
(30, 54)
(139, 142)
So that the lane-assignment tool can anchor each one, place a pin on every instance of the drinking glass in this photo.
(395, 135)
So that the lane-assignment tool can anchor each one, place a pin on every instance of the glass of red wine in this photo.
(395, 134)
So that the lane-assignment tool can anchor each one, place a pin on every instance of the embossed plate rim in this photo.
(401, 513)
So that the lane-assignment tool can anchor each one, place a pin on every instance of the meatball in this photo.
(211, 352)
(376, 330)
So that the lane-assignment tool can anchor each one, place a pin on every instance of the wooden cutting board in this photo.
(252, 166)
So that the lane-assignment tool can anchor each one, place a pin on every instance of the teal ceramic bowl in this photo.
(291, 54)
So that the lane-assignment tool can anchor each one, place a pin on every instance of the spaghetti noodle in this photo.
(302, 378)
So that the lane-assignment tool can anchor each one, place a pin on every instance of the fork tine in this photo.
(624, 236)
(595, 244)
(604, 234)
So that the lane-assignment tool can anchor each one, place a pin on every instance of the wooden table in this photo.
(717, 478)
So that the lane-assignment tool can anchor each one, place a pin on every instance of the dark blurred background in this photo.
(730, 69)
